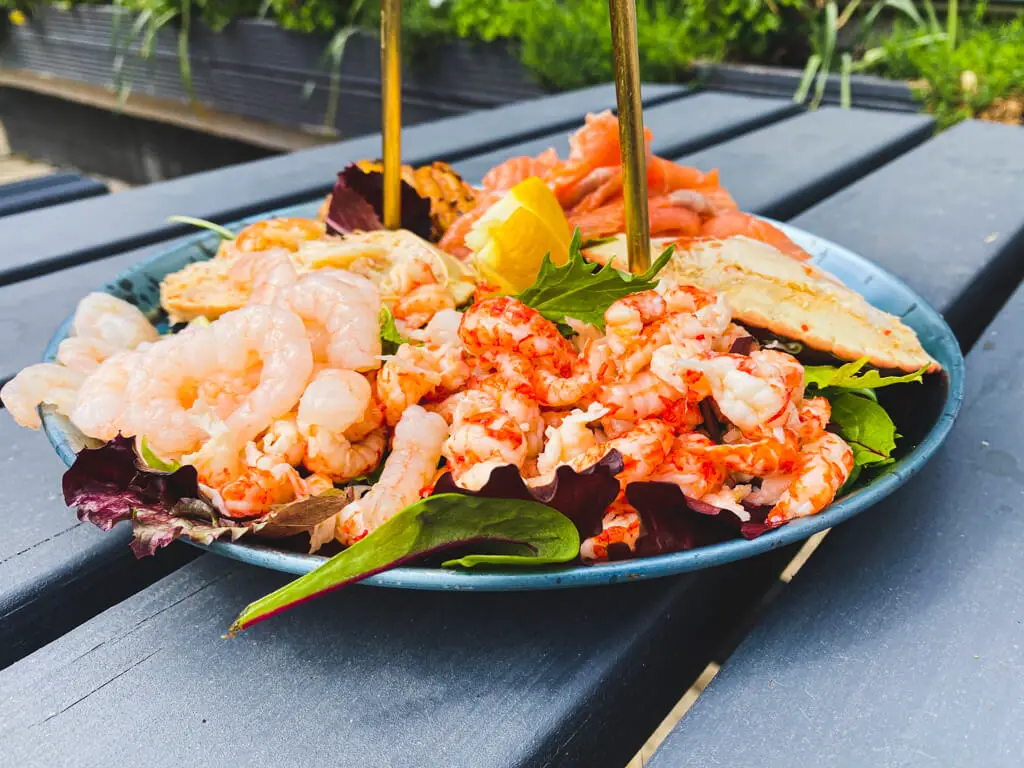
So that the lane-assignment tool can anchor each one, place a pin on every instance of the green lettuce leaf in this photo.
(540, 535)
(849, 376)
(153, 461)
(867, 428)
(390, 337)
(583, 290)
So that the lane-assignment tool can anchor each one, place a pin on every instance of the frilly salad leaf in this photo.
(119, 481)
(390, 337)
(849, 376)
(583, 290)
(357, 204)
(436, 524)
(112, 483)
(857, 416)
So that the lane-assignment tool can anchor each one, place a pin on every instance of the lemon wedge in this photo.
(510, 240)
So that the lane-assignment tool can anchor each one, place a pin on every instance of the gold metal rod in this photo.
(631, 132)
(391, 109)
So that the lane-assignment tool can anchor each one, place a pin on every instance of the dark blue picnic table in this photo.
(898, 641)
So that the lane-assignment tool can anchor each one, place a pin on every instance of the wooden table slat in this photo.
(366, 676)
(90, 229)
(55, 572)
(805, 159)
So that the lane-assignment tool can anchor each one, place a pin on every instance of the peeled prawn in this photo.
(483, 437)
(341, 316)
(265, 273)
(569, 438)
(646, 396)
(420, 295)
(690, 465)
(112, 320)
(43, 383)
(159, 385)
(408, 470)
(512, 388)
(283, 440)
(256, 490)
(643, 449)
(752, 396)
(443, 328)
(99, 411)
(414, 373)
(759, 458)
(331, 404)
(84, 354)
(509, 324)
(620, 528)
(824, 465)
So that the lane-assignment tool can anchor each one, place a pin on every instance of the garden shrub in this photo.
(990, 53)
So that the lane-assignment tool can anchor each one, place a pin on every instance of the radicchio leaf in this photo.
(583, 496)
(357, 204)
(112, 483)
(673, 521)
(711, 422)
(744, 345)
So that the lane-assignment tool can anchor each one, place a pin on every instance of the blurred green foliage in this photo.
(563, 43)
(566, 43)
(987, 64)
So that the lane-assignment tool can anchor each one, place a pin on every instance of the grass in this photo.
(982, 76)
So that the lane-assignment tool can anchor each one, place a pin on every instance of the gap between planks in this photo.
(17, 168)
(690, 697)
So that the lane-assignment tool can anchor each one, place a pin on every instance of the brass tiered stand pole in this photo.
(391, 109)
(631, 132)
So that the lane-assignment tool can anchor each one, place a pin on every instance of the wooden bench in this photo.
(45, 191)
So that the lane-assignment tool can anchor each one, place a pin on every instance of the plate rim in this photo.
(256, 552)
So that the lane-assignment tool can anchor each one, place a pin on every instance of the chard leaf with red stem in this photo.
(444, 523)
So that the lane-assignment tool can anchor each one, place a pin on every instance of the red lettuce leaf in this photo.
(112, 483)
(357, 204)
(583, 496)
(711, 423)
(673, 522)
(744, 345)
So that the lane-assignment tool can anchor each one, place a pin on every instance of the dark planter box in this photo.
(866, 91)
(258, 70)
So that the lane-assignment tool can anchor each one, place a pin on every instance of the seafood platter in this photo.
(486, 397)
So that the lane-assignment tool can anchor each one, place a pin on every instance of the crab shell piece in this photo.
(767, 289)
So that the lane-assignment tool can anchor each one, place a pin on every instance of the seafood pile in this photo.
(683, 203)
(326, 377)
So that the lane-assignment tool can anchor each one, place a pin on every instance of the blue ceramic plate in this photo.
(924, 418)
